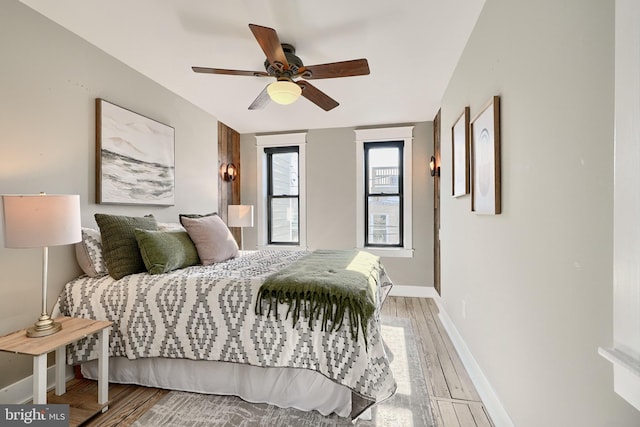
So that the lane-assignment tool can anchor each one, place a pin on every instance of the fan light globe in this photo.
(284, 92)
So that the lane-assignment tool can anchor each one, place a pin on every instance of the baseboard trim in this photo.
(414, 291)
(21, 391)
(490, 399)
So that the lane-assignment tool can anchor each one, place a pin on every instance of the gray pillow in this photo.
(212, 238)
(119, 244)
(164, 251)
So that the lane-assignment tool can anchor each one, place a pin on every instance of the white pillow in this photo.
(170, 226)
(89, 253)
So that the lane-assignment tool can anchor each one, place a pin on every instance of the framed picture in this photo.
(485, 151)
(460, 153)
(135, 158)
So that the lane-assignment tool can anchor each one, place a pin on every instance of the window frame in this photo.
(269, 152)
(367, 192)
(298, 139)
(385, 135)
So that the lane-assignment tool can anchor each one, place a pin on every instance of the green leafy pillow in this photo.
(119, 244)
(164, 251)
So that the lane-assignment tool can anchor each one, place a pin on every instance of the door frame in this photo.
(436, 205)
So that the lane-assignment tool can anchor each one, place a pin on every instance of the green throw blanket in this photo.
(326, 285)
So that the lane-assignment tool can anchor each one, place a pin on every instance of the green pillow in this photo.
(164, 251)
(119, 244)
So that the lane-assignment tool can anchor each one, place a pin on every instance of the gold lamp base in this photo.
(45, 326)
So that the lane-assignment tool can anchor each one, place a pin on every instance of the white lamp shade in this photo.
(284, 92)
(41, 220)
(240, 216)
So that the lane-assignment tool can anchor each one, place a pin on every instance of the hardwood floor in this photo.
(454, 400)
(126, 402)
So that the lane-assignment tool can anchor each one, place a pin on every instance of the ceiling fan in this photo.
(283, 64)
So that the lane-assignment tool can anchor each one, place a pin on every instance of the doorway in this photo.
(436, 205)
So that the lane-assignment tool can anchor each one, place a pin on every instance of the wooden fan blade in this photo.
(355, 67)
(316, 96)
(270, 43)
(261, 101)
(229, 72)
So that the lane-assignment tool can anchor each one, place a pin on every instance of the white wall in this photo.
(49, 80)
(537, 279)
(331, 197)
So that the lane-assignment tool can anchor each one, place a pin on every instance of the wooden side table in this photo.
(73, 329)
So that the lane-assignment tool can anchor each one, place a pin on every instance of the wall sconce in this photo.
(228, 172)
(435, 170)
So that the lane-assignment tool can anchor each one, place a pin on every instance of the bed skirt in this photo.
(284, 387)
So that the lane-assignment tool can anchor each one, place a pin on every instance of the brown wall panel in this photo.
(228, 192)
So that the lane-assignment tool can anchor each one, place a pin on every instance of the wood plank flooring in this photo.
(454, 400)
(126, 402)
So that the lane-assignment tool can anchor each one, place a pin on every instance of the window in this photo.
(383, 194)
(281, 207)
(282, 196)
(383, 202)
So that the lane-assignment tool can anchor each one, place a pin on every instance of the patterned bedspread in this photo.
(207, 313)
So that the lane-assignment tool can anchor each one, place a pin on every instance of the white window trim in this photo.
(281, 140)
(400, 133)
(625, 351)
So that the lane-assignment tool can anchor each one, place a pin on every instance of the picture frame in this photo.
(460, 155)
(485, 152)
(135, 158)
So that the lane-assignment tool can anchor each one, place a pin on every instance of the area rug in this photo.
(409, 407)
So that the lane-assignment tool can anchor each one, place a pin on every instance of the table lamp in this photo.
(39, 221)
(240, 216)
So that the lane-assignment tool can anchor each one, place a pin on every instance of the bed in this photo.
(198, 329)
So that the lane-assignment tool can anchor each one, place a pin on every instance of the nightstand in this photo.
(73, 329)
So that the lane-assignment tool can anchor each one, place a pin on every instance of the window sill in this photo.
(390, 252)
(626, 374)
(622, 359)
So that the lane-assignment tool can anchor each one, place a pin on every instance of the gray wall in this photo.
(537, 279)
(331, 197)
(50, 79)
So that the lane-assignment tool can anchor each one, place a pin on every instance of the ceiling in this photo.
(412, 47)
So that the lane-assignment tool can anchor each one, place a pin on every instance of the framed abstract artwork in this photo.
(135, 158)
(485, 151)
(460, 154)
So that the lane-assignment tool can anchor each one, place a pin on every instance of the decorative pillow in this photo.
(195, 215)
(89, 253)
(119, 244)
(212, 238)
(164, 251)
